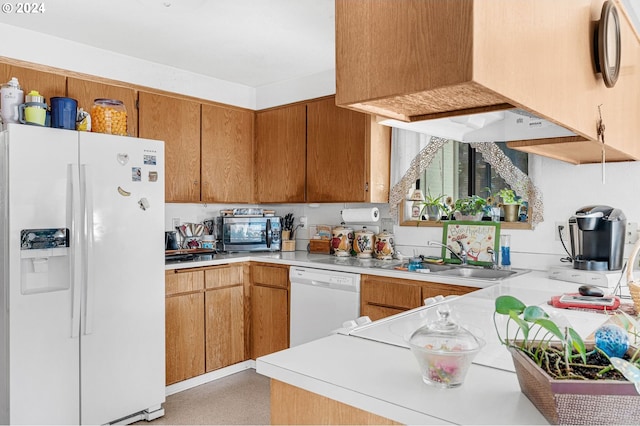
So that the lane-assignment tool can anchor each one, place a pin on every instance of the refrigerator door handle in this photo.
(85, 177)
(75, 257)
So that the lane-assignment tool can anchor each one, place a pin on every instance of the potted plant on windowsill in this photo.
(568, 380)
(469, 208)
(433, 206)
(510, 204)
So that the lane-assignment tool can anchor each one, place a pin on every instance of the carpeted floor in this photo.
(239, 399)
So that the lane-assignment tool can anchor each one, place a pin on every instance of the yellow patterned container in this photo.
(342, 240)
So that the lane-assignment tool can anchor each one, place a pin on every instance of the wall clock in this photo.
(607, 38)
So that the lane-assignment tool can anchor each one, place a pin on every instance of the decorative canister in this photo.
(342, 240)
(363, 243)
(384, 246)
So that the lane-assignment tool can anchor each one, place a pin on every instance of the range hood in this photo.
(496, 126)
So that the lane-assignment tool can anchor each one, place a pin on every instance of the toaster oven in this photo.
(242, 233)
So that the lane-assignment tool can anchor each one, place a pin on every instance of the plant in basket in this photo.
(568, 380)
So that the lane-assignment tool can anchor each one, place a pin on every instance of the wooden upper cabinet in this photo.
(280, 155)
(418, 59)
(347, 155)
(176, 122)
(335, 153)
(85, 92)
(47, 84)
(227, 154)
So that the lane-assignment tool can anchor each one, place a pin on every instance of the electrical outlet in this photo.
(565, 231)
(303, 221)
(175, 222)
(631, 233)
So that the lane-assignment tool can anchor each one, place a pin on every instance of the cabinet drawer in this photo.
(437, 289)
(223, 276)
(375, 312)
(272, 276)
(390, 292)
(183, 281)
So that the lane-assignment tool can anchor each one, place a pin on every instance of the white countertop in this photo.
(384, 378)
(304, 259)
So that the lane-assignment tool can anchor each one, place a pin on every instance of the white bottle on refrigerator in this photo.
(82, 330)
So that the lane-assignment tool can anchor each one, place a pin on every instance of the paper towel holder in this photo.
(369, 215)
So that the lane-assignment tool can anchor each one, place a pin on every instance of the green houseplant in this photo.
(469, 208)
(568, 380)
(510, 204)
(433, 206)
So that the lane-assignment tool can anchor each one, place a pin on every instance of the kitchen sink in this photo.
(449, 270)
(480, 273)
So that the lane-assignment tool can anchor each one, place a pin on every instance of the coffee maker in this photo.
(597, 238)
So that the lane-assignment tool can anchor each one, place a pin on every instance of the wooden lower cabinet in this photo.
(291, 405)
(269, 309)
(224, 325)
(381, 297)
(185, 337)
(205, 320)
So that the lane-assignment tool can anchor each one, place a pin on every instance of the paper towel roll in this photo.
(361, 215)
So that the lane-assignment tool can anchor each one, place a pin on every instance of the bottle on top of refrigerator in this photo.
(11, 96)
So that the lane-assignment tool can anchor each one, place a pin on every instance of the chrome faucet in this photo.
(462, 256)
(494, 258)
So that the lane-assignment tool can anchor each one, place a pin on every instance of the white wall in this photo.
(316, 214)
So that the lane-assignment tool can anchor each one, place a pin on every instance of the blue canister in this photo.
(63, 113)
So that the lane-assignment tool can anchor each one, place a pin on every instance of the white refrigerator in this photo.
(82, 296)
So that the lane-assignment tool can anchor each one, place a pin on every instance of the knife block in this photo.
(288, 245)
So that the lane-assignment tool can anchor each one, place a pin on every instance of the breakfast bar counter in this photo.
(371, 370)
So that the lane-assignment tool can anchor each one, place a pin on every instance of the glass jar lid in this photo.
(110, 102)
(444, 335)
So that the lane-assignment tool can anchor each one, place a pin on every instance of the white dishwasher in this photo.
(321, 301)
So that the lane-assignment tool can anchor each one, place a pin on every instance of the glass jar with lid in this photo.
(444, 350)
(109, 116)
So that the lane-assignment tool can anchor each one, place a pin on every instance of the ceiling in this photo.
(250, 42)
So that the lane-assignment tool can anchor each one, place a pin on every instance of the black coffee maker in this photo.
(597, 238)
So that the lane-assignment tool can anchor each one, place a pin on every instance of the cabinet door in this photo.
(47, 84)
(224, 320)
(177, 123)
(336, 160)
(280, 155)
(85, 92)
(227, 155)
(184, 322)
(269, 320)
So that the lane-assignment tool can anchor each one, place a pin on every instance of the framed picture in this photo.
(477, 239)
